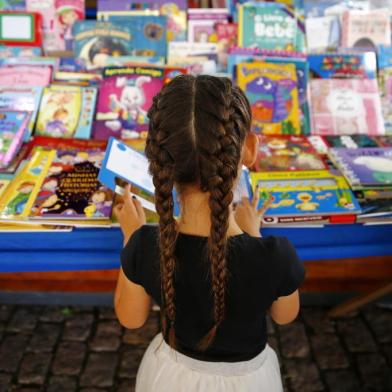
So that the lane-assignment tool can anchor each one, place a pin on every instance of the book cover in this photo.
(22, 99)
(13, 5)
(5, 180)
(125, 97)
(226, 34)
(305, 193)
(364, 167)
(66, 112)
(322, 33)
(71, 189)
(343, 65)
(384, 140)
(13, 126)
(58, 18)
(270, 26)
(18, 198)
(385, 84)
(19, 51)
(384, 56)
(25, 75)
(286, 153)
(313, 8)
(350, 141)
(346, 107)
(366, 29)
(273, 94)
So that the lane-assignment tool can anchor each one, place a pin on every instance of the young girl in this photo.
(210, 271)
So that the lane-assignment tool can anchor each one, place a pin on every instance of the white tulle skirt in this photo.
(166, 370)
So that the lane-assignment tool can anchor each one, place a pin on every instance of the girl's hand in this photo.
(130, 214)
(248, 217)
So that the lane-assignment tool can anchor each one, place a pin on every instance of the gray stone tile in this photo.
(376, 375)
(78, 327)
(293, 340)
(62, 384)
(44, 338)
(342, 381)
(23, 320)
(328, 352)
(11, 351)
(380, 321)
(303, 376)
(33, 368)
(69, 358)
(99, 370)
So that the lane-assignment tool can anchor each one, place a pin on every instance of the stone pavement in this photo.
(47, 348)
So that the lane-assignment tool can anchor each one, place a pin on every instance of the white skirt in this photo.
(166, 370)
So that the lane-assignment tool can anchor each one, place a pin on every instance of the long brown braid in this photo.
(196, 132)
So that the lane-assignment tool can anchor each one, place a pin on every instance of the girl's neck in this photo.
(195, 214)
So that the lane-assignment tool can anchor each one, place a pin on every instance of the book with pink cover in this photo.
(346, 107)
(25, 75)
(366, 29)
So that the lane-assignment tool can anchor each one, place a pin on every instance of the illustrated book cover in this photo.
(125, 97)
(364, 167)
(66, 112)
(385, 84)
(346, 106)
(25, 75)
(273, 94)
(351, 141)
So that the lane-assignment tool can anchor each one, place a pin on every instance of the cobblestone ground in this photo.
(85, 349)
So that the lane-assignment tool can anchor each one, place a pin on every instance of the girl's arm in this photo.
(131, 302)
(285, 309)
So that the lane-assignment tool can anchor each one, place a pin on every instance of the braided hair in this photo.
(196, 132)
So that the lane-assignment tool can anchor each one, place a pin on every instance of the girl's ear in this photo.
(250, 149)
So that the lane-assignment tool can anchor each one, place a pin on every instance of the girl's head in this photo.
(69, 15)
(198, 133)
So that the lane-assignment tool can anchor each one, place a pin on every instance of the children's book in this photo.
(18, 198)
(322, 33)
(343, 65)
(364, 167)
(313, 8)
(19, 51)
(350, 141)
(51, 62)
(16, 163)
(346, 107)
(13, 5)
(319, 144)
(305, 193)
(25, 75)
(273, 94)
(13, 126)
(385, 83)
(366, 29)
(81, 79)
(202, 21)
(71, 189)
(174, 10)
(270, 26)
(5, 180)
(66, 112)
(22, 99)
(384, 141)
(125, 97)
(384, 56)
(226, 34)
(286, 153)
(58, 16)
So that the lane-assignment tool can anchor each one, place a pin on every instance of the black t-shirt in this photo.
(259, 271)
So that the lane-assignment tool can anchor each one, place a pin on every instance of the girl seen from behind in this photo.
(211, 273)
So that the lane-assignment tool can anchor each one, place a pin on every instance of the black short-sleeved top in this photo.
(259, 271)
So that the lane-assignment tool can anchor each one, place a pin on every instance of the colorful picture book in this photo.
(385, 83)
(24, 99)
(270, 26)
(351, 141)
(305, 193)
(13, 5)
(364, 167)
(286, 153)
(273, 94)
(13, 126)
(346, 106)
(5, 180)
(125, 97)
(366, 29)
(343, 65)
(25, 75)
(322, 33)
(19, 51)
(67, 111)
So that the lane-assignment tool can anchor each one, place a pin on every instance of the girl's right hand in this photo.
(248, 217)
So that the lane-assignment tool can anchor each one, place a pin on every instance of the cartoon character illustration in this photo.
(48, 189)
(129, 106)
(58, 125)
(100, 48)
(96, 158)
(272, 100)
(68, 14)
(381, 167)
(67, 159)
(100, 204)
(52, 203)
(307, 204)
(17, 204)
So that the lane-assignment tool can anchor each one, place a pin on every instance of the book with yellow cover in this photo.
(273, 94)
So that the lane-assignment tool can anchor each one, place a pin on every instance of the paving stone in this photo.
(126, 386)
(376, 375)
(130, 362)
(69, 358)
(93, 390)
(293, 340)
(144, 335)
(341, 381)
(44, 338)
(20, 388)
(99, 370)
(356, 335)
(62, 384)
(11, 351)
(33, 368)
(318, 320)
(380, 321)
(78, 327)
(5, 312)
(23, 320)
(107, 336)
(82, 309)
(2, 329)
(53, 314)
(328, 352)
(107, 314)
(303, 376)
(5, 382)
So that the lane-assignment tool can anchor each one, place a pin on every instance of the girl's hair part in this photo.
(196, 132)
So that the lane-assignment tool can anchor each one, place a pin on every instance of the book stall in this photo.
(76, 82)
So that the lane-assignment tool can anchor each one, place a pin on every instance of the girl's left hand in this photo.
(130, 214)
